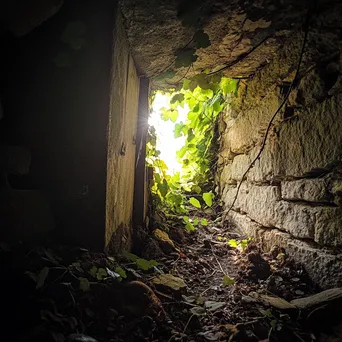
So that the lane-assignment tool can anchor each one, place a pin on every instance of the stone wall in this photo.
(293, 194)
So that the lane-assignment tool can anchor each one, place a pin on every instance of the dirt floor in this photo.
(201, 286)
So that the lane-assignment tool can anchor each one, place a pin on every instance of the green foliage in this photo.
(205, 96)
(195, 202)
(84, 284)
(141, 263)
(228, 281)
(239, 243)
(208, 198)
(185, 58)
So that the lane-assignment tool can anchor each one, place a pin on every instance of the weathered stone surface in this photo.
(312, 190)
(243, 135)
(323, 266)
(263, 205)
(328, 226)
(331, 296)
(234, 28)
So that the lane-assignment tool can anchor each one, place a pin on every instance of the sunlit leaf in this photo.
(233, 243)
(186, 84)
(180, 154)
(195, 202)
(191, 134)
(195, 223)
(163, 187)
(208, 198)
(228, 85)
(189, 227)
(177, 98)
(228, 281)
(196, 188)
(178, 131)
(204, 222)
(186, 218)
(173, 115)
(243, 244)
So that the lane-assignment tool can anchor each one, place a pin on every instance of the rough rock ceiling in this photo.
(157, 34)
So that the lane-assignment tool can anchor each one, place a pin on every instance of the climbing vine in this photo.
(191, 190)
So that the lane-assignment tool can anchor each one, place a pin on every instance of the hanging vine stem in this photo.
(307, 25)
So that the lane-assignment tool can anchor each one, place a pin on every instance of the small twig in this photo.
(186, 326)
(212, 250)
(241, 57)
(269, 334)
(297, 335)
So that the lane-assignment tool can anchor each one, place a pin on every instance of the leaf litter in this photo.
(229, 292)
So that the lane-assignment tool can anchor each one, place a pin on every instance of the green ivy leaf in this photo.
(243, 244)
(208, 198)
(177, 98)
(228, 85)
(204, 222)
(173, 115)
(196, 221)
(186, 84)
(180, 153)
(191, 135)
(101, 273)
(178, 131)
(93, 271)
(201, 39)
(146, 264)
(163, 187)
(233, 243)
(189, 227)
(195, 202)
(121, 271)
(185, 58)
